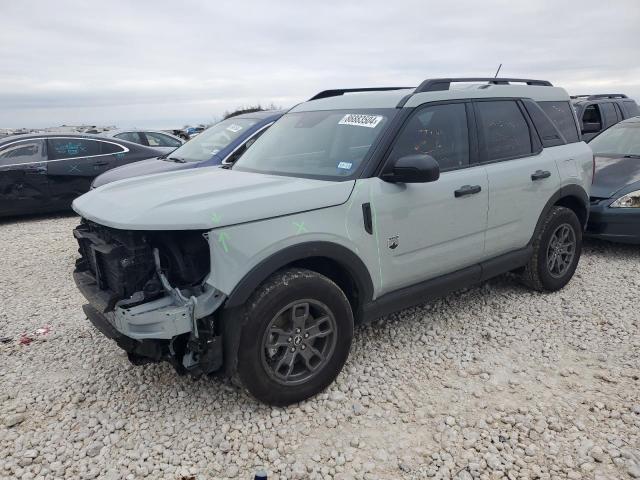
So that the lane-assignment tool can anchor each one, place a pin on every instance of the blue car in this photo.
(221, 144)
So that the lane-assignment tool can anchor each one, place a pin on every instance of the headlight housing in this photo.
(630, 200)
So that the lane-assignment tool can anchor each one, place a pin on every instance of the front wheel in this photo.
(556, 251)
(296, 338)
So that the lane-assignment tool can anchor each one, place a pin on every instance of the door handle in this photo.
(36, 170)
(101, 163)
(467, 190)
(540, 174)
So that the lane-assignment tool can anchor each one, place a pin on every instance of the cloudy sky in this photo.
(168, 63)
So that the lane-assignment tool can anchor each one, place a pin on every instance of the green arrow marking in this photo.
(215, 218)
(222, 238)
(300, 227)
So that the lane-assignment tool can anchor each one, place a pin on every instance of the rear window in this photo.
(505, 131)
(562, 116)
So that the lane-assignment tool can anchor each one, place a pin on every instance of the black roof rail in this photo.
(341, 91)
(606, 95)
(438, 84)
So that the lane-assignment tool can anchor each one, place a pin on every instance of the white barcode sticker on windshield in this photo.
(234, 128)
(360, 120)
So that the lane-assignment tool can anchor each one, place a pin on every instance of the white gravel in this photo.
(493, 382)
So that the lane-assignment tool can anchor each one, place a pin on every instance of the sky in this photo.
(164, 64)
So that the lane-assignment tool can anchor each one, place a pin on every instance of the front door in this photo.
(425, 230)
(23, 177)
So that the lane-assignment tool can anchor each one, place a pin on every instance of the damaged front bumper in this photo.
(177, 325)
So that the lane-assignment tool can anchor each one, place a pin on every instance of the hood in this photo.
(614, 174)
(205, 198)
(143, 167)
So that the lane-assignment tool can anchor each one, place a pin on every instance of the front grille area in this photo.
(121, 261)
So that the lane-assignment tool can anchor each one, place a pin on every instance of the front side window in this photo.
(130, 137)
(159, 140)
(25, 151)
(212, 140)
(504, 130)
(440, 131)
(622, 139)
(61, 148)
(562, 116)
(329, 144)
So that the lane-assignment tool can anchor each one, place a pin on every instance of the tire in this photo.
(542, 273)
(296, 337)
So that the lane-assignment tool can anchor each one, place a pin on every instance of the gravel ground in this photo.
(491, 382)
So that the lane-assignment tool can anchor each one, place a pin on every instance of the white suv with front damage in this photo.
(353, 205)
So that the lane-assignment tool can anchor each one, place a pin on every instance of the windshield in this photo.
(323, 144)
(621, 139)
(212, 140)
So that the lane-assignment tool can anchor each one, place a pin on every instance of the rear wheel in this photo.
(556, 251)
(296, 338)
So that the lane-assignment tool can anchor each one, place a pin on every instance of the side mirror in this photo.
(591, 127)
(413, 169)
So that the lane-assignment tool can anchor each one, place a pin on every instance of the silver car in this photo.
(158, 140)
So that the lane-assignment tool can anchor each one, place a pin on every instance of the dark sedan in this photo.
(220, 144)
(615, 194)
(45, 172)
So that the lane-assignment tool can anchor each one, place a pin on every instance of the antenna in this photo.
(498, 71)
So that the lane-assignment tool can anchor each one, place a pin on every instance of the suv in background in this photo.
(598, 112)
(353, 205)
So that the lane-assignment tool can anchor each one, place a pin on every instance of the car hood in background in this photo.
(205, 198)
(614, 174)
(136, 169)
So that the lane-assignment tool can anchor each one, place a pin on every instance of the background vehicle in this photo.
(615, 194)
(45, 172)
(598, 112)
(222, 143)
(161, 141)
(351, 206)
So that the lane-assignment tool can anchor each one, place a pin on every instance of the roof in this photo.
(26, 136)
(392, 98)
(262, 115)
(116, 131)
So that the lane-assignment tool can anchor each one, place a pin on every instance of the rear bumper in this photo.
(614, 224)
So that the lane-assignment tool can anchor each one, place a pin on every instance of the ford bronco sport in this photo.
(353, 205)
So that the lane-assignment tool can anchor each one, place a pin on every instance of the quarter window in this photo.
(440, 131)
(562, 116)
(107, 148)
(61, 148)
(504, 130)
(26, 151)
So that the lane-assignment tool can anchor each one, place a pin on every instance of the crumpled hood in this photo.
(614, 174)
(143, 167)
(205, 198)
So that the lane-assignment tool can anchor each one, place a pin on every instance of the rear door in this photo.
(73, 164)
(522, 175)
(23, 177)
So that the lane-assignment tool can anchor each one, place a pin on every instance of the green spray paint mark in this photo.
(215, 218)
(222, 238)
(300, 227)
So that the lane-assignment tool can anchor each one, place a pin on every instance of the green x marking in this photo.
(300, 227)
(215, 218)
(222, 238)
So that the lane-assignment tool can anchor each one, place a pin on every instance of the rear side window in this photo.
(562, 116)
(548, 133)
(440, 131)
(609, 114)
(130, 137)
(60, 148)
(504, 130)
(631, 107)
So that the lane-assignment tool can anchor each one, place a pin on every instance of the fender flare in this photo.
(349, 260)
(573, 191)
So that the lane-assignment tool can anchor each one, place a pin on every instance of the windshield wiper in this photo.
(177, 159)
